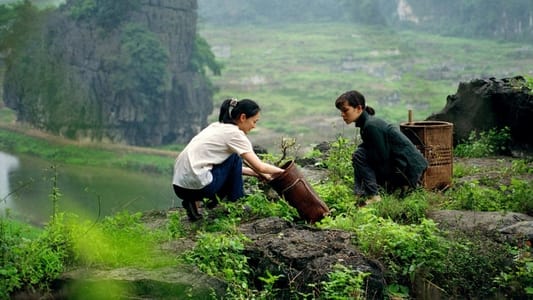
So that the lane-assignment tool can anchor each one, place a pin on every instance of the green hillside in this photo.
(296, 71)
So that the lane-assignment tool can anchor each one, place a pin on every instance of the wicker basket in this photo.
(435, 140)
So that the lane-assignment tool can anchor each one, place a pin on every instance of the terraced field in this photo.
(295, 72)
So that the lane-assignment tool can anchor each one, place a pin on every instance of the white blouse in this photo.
(212, 146)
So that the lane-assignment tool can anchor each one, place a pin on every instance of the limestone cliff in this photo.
(123, 78)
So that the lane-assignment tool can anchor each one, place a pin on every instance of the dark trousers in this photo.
(366, 183)
(227, 183)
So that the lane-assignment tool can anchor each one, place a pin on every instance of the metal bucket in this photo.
(292, 186)
(435, 140)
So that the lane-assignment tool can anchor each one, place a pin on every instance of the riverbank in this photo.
(21, 139)
(58, 140)
(95, 180)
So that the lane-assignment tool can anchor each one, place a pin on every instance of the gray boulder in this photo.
(509, 227)
(484, 104)
(305, 255)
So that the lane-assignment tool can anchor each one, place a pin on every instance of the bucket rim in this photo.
(286, 167)
(426, 124)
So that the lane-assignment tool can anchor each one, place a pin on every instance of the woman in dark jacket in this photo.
(386, 157)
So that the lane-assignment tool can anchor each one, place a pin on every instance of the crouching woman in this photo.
(211, 165)
(386, 158)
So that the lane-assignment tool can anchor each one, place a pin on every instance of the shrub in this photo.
(10, 241)
(339, 161)
(516, 196)
(517, 280)
(107, 13)
(343, 283)
(32, 264)
(529, 83)
(405, 250)
(175, 227)
(485, 143)
(408, 210)
(339, 198)
(472, 259)
(221, 255)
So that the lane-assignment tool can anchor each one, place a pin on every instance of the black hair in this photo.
(231, 109)
(354, 99)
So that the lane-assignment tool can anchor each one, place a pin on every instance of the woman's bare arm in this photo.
(258, 166)
(249, 172)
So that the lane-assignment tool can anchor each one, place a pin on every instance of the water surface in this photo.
(90, 192)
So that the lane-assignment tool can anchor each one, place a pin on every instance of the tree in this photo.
(19, 23)
(140, 73)
(202, 57)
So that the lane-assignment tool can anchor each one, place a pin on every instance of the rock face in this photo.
(485, 104)
(304, 256)
(509, 227)
(108, 86)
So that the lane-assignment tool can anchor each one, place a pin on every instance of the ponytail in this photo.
(226, 109)
(231, 110)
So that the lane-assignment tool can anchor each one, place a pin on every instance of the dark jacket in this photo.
(389, 151)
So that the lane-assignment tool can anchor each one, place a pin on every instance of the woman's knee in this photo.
(359, 157)
(186, 194)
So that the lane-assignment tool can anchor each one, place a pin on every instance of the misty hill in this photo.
(508, 20)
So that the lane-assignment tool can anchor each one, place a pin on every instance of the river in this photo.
(90, 192)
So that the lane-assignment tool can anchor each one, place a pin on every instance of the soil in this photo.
(495, 170)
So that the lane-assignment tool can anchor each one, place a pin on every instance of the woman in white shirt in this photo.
(211, 164)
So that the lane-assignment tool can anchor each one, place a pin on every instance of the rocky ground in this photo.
(277, 242)
(490, 170)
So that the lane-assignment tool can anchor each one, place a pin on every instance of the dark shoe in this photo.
(192, 210)
(360, 200)
(212, 203)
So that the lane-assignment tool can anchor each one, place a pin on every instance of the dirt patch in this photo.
(494, 171)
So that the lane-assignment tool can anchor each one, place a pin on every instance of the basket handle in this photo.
(292, 185)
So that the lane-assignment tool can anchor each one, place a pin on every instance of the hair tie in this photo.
(233, 103)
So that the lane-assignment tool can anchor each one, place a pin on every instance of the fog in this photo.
(477, 18)
(8, 164)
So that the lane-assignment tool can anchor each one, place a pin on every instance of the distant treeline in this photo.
(507, 20)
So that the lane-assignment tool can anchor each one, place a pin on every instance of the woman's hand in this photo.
(259, 167)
